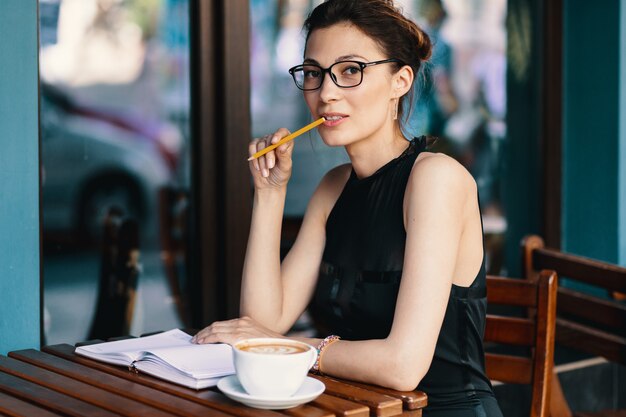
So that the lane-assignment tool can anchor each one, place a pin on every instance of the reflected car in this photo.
(93, 159)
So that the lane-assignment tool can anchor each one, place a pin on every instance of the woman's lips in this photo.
(334, 120)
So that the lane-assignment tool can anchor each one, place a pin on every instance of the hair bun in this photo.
(424, 45)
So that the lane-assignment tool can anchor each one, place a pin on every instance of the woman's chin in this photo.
(330, 140)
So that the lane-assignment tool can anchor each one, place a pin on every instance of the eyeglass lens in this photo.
(344, 74)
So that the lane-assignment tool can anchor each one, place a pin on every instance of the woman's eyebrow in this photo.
(340, 58)
(349, 57)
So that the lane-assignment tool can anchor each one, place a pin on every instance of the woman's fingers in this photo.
(281, 133)
(210, 334)
(251, 151)
(271, 156)
(231, 331)
(260, 163)
(268, 161)
(262, 144)
(216, 337)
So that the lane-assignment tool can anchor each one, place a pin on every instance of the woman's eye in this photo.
(311, 73)
(353, 70)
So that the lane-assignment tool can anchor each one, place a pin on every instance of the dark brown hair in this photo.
(382, 21)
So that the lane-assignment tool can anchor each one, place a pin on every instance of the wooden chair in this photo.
(534, 330)
(119, 273)
(174, 238)
(588, 323)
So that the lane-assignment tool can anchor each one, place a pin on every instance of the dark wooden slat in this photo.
(587, 339)
(594, 309)
(207, 397)
(47, 398)
(341, 407)
(13, 407)
(590, 271)
(543, 350)
(511, 291)
(114, 384)
(380, 405)
(308, 411)
(78, 390)
(510, 330)
(412, 400)
(508, 368)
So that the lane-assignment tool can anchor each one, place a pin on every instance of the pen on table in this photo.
(288, 138)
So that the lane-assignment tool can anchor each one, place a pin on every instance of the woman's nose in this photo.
(329, 91)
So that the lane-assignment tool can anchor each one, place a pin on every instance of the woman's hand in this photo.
(273, 169)
(232, 331)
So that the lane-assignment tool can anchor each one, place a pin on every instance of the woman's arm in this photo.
(276, 295)
(273, 296)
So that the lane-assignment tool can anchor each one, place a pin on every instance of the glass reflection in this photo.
(114, 135)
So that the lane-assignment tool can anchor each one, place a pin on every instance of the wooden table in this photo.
(55, 381)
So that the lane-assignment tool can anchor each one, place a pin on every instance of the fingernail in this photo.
(271, 163)
(266, 173)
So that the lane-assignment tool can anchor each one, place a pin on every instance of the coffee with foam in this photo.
(273, 349)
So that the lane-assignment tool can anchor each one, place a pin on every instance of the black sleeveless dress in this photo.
(358, 286)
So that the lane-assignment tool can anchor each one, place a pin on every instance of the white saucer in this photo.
(310, 390)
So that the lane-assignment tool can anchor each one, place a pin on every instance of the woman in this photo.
(389, 255)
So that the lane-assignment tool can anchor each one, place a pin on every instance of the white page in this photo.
(176, 376)
(123, 352)
(197, 361)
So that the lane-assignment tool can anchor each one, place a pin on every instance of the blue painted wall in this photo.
(622, 135)
(19, 180)
(592, 172)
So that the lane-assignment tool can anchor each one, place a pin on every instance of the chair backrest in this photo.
(119, 274)
(174, 216)
(535, 330)
(594, 324)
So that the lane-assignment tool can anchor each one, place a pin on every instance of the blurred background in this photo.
(115, 133)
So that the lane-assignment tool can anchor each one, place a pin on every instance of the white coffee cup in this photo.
(272, 367)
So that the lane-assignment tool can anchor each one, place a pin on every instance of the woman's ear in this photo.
(402, 81)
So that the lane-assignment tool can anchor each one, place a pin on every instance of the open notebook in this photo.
(170, 356)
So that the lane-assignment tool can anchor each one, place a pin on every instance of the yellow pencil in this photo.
(288, 138)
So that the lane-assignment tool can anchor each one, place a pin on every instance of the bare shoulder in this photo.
(437, 170)
(438, 180)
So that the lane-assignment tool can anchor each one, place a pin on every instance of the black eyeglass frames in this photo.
(345, 74)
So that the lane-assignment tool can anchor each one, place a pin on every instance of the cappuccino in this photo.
(272, 367)
(273, 349)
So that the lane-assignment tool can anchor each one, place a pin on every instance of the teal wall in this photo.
(592, 173)
(622, 136)
(19, 183)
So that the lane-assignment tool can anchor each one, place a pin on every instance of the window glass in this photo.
(114, 136)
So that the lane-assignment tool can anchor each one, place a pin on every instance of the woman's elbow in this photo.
(404, 383)
(406, 375)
